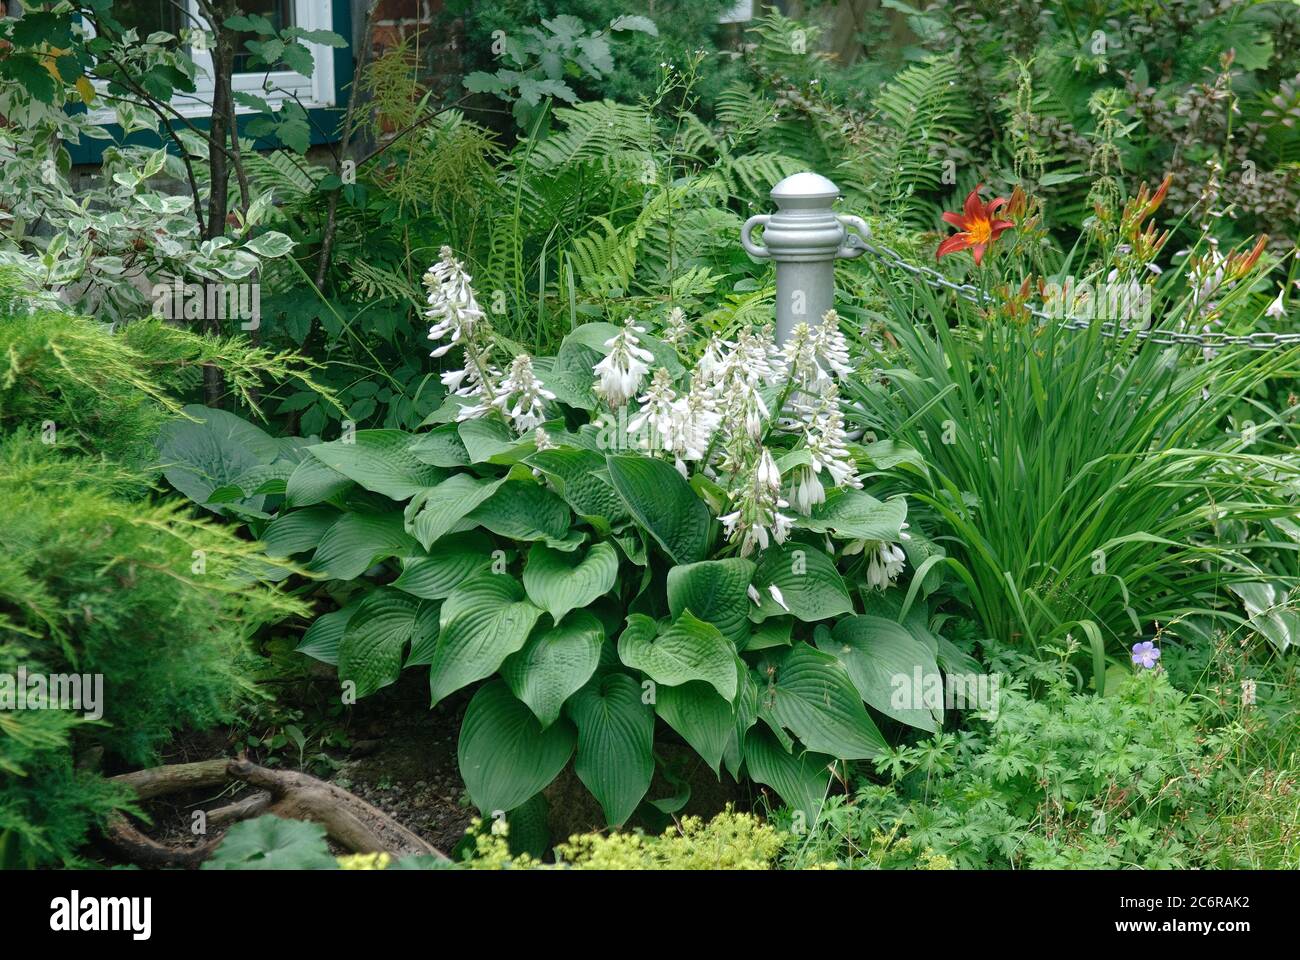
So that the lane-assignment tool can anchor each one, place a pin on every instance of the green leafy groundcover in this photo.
(592, 598)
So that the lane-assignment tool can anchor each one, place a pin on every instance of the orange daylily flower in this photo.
(976, 227)
(1240, 262)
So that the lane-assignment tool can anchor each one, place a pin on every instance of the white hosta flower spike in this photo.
(625, 366)
(675, 327)
(757, 519)
(656, 412)
(884, 563)
(521, 396)
(452, 305)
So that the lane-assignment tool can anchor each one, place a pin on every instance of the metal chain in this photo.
(971, 293)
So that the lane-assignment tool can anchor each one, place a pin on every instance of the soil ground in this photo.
(401, 758)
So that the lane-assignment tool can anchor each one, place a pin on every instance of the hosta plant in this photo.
(643, 538)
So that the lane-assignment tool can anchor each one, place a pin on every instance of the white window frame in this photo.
(312, 92)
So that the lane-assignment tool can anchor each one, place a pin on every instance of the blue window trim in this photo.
(325, 121)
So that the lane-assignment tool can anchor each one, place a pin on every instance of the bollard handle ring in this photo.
(856, 233)
(746, 238)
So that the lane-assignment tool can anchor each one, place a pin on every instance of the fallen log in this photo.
(348, 820)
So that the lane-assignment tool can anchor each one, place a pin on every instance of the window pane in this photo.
(149, 16)
(279, 12)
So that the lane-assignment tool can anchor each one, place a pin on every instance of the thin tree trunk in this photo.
(223, 65)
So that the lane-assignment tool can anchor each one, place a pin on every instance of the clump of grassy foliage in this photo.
(99, 577)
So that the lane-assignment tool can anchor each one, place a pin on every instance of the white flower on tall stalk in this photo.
(1276, 308)
(815, 355)
(452, 305)
(625, 366)
(885, 562)
(458, 320)
(675, 327)
(833, 345)
(757, 519)
(521, 398)
(824, 440)
(656, 410)
(708, 369)
(469, 383)
(757, 359)
(743, 406)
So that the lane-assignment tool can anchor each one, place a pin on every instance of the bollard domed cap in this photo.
(807, 190)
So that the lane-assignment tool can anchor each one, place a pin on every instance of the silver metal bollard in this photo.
(804, 238)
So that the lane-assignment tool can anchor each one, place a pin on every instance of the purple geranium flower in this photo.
(1145, 654)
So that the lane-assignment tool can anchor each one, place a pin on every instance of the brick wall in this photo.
(426, 30)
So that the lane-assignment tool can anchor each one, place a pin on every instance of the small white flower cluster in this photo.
(675, 328)
(680, 426)
(885, 561)
(460, 322)
(727, 409)
(624, 367)
(521, 396)
(816, 355)
(824, 438)
(452, 305)
(757, 517)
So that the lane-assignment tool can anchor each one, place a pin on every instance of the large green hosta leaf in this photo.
(704, 719)
(483, 621)
(297, 531)
(800, 778)
(886, 662)
(211, 450)
(380, 460)
(559, 581)
(435, 512)
(524, 510)
(855, 515)
(491, 441)
(747, 709)
(715, 591)
(313, 482)
(689, 649)
(358, 540)
(455, 559)
(811, 695)
(370, 651)
(441, 447)
(505, 756)
(663, 503)
(810, 586)
(615, 743)
(321, 640)
(554, 664)
(572, 472)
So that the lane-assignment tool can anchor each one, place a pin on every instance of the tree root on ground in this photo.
(348, 820)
